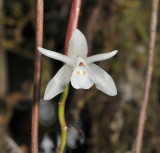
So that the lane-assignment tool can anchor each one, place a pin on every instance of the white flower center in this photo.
(80, 78)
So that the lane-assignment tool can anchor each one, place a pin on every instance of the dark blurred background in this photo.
(97, 123)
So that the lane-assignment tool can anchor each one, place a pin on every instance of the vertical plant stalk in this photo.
(72, 25)
(73, 22)
(61, 114)
(142, 118)
(37, 77)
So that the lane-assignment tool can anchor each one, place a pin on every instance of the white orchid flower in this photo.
(79, 69)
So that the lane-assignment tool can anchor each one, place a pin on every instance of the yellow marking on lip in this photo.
(84, 72)
(78, 72)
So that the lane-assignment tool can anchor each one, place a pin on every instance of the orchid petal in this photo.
(55, 55)
(58, 83)
(103, 80)
(80, 78)
(78, 45)
(100, 57)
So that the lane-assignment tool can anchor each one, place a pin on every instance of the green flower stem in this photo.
(61, 114)
(72, 25)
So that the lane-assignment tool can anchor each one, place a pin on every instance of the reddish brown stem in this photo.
(37, 77)
(73, 22)
(142, 118)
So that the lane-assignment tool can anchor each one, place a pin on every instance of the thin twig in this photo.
(37, 77)
(142, 118)
(7, 141)
(72, 25)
